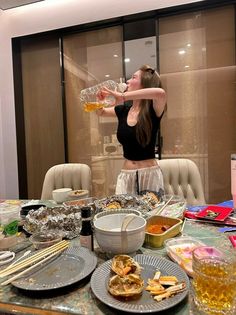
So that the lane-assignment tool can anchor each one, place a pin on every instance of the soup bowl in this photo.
(112, 240)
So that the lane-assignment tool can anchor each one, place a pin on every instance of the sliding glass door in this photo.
(197, 64)
(91, 58)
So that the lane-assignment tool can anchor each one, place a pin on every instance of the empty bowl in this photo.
(60, 195)
(116, 211)
(45, 239)
(112, 240)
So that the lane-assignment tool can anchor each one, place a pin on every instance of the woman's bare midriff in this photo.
(134, 165)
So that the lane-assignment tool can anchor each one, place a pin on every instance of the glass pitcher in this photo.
(89, 100)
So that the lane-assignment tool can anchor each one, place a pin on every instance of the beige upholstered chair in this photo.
(69, 175)
(182, 177)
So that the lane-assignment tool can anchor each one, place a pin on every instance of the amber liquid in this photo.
(91, 106)
(214, 288)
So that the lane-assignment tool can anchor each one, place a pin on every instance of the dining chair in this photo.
(182, 177)
(69, 175)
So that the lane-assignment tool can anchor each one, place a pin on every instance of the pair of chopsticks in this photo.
(34, 260)
(163, 207)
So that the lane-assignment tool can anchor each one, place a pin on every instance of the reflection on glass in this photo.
(139, 52)
(198, 124)
(91, 58)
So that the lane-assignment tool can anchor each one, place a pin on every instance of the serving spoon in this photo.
(127, 220)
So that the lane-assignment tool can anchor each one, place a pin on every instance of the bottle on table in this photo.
(86, 232)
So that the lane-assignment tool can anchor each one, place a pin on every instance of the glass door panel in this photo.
(201, 114)
(42, 107)
(91, 58)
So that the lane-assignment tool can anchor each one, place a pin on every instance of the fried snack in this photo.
(168, 280)
(113, 205)
(163, 287)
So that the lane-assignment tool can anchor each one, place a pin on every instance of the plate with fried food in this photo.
(148, 284)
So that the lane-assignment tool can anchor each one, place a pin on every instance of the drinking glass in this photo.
(214, 281)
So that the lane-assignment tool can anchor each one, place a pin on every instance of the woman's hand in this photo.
(102, 94)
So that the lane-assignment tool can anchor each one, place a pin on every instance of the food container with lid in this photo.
(9, 218)
(180, 250)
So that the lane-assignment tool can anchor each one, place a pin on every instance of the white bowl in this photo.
(60, 195)
(116, 211)
(112, 240)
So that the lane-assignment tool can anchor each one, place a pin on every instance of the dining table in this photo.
(78, 298)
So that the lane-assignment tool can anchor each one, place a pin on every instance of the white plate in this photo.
(146, 303)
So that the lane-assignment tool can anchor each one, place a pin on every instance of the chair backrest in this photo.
(69, 175)
(182, 177)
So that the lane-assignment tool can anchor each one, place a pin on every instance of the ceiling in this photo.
(9, 4)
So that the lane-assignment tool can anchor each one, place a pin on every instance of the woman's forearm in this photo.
(148, 93)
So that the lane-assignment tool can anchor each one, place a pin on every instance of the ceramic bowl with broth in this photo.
(112, 240)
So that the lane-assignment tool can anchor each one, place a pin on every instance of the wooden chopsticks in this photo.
(163, 207)
(35, 259)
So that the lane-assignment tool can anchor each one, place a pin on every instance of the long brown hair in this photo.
(149, 78)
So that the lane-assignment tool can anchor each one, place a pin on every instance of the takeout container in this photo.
(157, 240)
(60, 195)
(175, 208)
(80, 202)
(9, 218)
(8, 241)
(45, 239)
(112, 240)
(180, 250)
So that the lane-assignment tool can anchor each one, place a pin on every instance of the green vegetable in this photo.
(11, 228)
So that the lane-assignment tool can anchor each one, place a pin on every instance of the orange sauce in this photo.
(157, 228)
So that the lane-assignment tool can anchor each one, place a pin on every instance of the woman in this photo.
(138, 124)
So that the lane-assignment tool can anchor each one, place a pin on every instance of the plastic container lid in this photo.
(180, 250)
(9, 213)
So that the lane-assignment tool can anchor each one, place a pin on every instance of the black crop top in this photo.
(126, 135)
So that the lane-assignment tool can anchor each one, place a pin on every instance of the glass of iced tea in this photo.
(214, 280)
